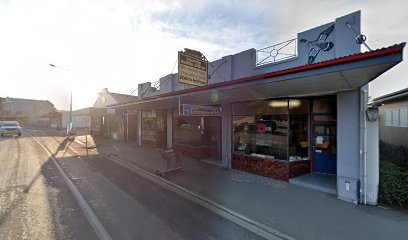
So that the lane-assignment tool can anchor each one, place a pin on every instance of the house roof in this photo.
(370, 55)
(120, 98)
(392, 96)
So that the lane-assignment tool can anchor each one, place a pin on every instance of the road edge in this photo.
(235, 217)
(86, 209)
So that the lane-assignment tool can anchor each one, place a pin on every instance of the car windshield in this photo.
(10, 124)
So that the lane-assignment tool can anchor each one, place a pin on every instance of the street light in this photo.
(69, 128)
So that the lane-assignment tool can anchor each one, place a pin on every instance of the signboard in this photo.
(199, 110)
(192, 70)
(110, 111)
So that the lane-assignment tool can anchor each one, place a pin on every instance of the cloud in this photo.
(118, 44)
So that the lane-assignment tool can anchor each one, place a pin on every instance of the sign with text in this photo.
(192, 70)
(110, 111)
(199, 110)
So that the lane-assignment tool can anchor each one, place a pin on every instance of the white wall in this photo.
(81, 121)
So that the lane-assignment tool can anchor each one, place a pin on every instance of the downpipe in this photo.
(363, 151)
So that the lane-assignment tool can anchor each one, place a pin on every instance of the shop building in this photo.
(279, 117)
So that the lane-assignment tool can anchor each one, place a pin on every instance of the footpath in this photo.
(293, 211)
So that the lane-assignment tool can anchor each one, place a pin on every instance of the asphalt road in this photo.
(36, 203)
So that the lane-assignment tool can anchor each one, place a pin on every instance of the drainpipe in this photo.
(364, 150)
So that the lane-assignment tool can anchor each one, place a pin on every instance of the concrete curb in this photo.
(245, 222)
(86, 209)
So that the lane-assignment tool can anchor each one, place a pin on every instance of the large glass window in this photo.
(149, 125)
(264, 136)
(298, 129)
(324, 109)
(278, 131)
(187, 130)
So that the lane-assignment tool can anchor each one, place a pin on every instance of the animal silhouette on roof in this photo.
(320, 44)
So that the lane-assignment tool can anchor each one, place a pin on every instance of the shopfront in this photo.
(285, 138)
(198, 137)
(154, 128)
(304, 115)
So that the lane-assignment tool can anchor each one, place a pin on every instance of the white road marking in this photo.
(252, 225)
(90, 215)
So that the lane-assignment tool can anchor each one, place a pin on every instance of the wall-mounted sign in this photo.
(192, 70)
(319, 45)
(110, 111)
(199, 110)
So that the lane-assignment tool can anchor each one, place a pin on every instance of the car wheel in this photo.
(19, 134)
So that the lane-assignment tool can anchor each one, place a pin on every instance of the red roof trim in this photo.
(360, 56)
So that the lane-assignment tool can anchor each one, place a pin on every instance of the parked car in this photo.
(10, 128)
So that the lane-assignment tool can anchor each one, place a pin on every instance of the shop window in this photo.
(324, 110)
(187, 130)
(299, 137)
(264, 136)
(249, 108)
(283, 130)
(325, 106)
(149, 125)
(277, 106)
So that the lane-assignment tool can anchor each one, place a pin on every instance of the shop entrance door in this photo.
(161, 129)
(324, 148)
(211, 140)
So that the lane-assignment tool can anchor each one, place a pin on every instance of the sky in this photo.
(117, 44)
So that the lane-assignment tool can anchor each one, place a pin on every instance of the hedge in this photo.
(395, 154)
(393, 188)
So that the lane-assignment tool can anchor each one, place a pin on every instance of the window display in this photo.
(187, 130)
(281, 132)
(149, 125)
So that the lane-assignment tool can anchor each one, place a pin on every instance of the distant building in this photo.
(393, 111)
(27, 111)
(101, 119)
(106, 98)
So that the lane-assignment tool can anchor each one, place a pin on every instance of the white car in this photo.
(10, 128)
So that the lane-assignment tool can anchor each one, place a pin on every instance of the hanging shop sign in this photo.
(192, 70)
(199, 110)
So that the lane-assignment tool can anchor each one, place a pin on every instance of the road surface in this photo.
(37, 203)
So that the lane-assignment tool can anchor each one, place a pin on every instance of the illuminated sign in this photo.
(192, 70)
(199, 110)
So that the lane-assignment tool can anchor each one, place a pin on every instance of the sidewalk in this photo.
(299, 212)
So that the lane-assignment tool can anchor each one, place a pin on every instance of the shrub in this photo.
(393, 188)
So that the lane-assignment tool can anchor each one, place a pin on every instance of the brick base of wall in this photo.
(276, 169)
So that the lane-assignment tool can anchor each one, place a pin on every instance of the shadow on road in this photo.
(65, 217)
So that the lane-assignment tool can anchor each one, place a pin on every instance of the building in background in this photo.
(102, 120)
(393, 111)
(28, 112)
(294, 111)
